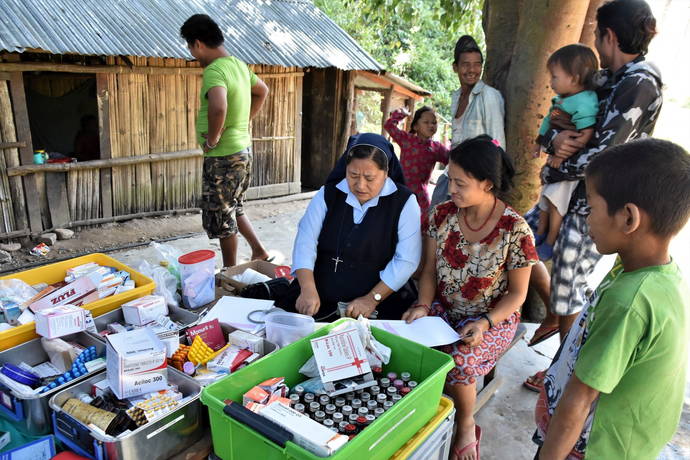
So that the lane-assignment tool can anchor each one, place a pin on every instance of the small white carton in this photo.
(309, 434)
(246, 340)
(145, 309)
(136, 363)
(340, 358)
(62, 320)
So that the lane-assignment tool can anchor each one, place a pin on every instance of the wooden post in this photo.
(386, 107)
(8, 133)
(26, 153)
(299, 80)
(104, 135)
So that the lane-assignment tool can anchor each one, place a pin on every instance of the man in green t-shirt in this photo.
(231, 95)
(615, 388)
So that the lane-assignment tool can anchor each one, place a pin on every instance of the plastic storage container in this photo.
(197, 272)
(234, 441)
(160, 439)
(285, 328)
(54, 273)
(32, 415)
(433, 441)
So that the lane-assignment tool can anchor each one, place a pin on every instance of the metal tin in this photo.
(371, 405)
(323, 399)
(314, 406)
(330, 409)
(339, 402)
(390, 391)
(370, 418)
(300, 408)
(346, 410)
(378, 412)
(328, 423)
(294, 399)
(338, 417)
(298, 390)
(356, 403)
(308, 398)
(366, 397)
(396, 398)
(362, 411)
(387, 405)
(32, 415)
(162, 438)
(375, 390)
(381, 398)
(319, 416)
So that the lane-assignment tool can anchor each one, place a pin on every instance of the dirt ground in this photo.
(139, 232)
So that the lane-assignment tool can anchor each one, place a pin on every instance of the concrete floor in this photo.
(507, 419)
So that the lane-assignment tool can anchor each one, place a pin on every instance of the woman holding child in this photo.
(478, 257)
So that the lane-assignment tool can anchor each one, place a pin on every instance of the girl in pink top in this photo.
(418, 151)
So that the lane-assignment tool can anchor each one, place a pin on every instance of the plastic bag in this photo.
(314, 385)
(169, 255)
(17, 291)
(166, 284)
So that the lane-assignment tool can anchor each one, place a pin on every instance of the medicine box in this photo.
(145, 309)
(136, 362)
(58, 321)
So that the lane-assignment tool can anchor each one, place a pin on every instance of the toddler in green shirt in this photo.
(615, 388)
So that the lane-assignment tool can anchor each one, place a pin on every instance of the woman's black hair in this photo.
(481, 158)
(466, 44)
(418, 114)
(368, 152)
(631, 20)
(201, 27)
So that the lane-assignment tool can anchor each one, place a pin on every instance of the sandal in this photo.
(542, 333)
(266, 259)
(471, 446)
(530, 382)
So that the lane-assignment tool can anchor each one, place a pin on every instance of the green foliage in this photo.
(411, 38)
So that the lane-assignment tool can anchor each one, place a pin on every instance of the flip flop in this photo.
(542, 333)
(533, 386)
(267, 259)
(471, 446)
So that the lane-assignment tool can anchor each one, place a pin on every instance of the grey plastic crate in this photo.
(32, 415)
(437, 445)
(157, 440)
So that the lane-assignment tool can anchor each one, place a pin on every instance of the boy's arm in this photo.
(568, 420)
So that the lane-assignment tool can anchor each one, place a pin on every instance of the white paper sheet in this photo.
(431, 331)
(234, 311)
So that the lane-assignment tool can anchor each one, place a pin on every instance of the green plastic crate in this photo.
(235, 441)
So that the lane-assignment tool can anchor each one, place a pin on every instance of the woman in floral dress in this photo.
(478, 256)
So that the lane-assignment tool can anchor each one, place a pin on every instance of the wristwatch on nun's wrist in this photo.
(377, 297)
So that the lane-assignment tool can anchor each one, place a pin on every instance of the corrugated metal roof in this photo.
(273, 32)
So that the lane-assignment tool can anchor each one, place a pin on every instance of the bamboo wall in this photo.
(153, 114)
(146, 112)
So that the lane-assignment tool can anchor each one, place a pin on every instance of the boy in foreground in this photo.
(615, 388)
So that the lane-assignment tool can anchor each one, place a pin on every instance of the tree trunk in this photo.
(500, 21)
(590, 24)
(544, 26)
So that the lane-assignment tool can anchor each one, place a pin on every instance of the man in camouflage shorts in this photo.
(231, 95)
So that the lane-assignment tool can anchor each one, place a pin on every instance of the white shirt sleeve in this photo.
(308, 231)
(494, 113)
(408, 251)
